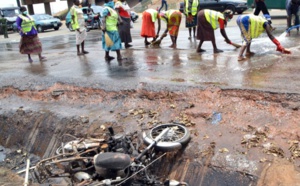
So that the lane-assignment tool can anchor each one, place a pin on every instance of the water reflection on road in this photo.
(267, 69)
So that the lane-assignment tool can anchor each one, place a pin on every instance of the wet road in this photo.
(267, 70)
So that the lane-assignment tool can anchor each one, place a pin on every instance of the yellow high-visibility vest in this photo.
(74, 23)
(194, 9)
(112, 20)
(153, 14)
(27, 23)
(256, 25)
(212, 17)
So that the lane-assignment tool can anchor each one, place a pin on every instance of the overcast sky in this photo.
(38, 8)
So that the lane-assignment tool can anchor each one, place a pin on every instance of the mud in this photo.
(219, 154)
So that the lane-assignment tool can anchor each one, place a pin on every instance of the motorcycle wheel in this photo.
(178, 135)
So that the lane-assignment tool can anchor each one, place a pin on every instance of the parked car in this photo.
(96, 9)
(237, 6)
(45, 22)
(11, 14)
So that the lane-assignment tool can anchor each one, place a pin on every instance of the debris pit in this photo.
(255, 128)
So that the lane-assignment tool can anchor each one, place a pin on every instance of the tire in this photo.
(180, 137)
(70, 27)
(231, 7)
(56, 28)
(39, 29)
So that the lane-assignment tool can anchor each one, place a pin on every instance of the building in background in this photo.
(39, 8)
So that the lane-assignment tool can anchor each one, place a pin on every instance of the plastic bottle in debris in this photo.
(216, 118)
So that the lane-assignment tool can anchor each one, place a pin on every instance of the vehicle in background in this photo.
(134, 16)
(95, 18)
(237, 6)
(45, 22)
(10, 14)
(271, 4)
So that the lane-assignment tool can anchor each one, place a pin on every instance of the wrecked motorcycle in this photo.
(117, 160)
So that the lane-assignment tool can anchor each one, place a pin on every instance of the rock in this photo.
(84, 119)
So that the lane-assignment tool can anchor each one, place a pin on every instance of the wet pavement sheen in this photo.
(266, 70)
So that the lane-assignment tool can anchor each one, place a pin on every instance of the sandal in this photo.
(109, 58)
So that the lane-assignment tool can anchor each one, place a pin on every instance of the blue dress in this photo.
(114, 35)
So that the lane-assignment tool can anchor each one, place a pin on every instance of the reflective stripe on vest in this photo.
(27, 23)
(153, 14)
(112, 20)
(212, 17)
(256, 25)
(194, 8)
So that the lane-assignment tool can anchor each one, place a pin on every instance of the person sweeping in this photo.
(252, 26)
(210, 20)
(173, 20)
(150, 16)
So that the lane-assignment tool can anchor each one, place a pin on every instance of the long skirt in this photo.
(205, 32)
(115, 37)
(191, 21)
(174, 23)
(80, 37)
(148, 27)
(243, 23)
(30, 45)
(124, 30)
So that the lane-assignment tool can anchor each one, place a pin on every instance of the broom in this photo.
(157, 42)
(108, 40)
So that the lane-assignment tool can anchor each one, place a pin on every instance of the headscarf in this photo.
(110, 4)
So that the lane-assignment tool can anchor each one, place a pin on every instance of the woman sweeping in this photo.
(122, 8)
(150, 16)
(30, 42)
(110, 31)
(252, 26)
(208, 21)
(78, 24)
(173, 20)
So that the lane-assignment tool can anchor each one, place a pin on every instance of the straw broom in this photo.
(108, 40)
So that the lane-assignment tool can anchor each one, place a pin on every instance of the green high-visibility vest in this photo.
(74, 23)
(112, 20)
(256, 25)
(194, 9)
(212, 17)
(153, 14)
(27, 23)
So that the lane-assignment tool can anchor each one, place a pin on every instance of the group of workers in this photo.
(206, 21)
(116, 28)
